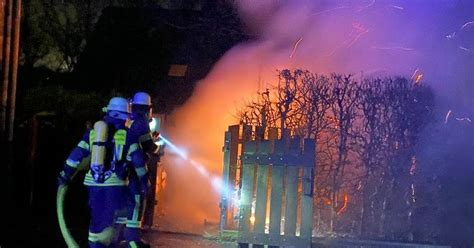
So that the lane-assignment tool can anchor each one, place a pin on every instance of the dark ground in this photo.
(165, 239)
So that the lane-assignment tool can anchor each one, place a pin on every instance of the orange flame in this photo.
(344, 207)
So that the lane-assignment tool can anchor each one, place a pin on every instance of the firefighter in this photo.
(141, 117)
(114, 152)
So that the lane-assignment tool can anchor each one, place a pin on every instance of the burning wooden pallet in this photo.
(272, 180)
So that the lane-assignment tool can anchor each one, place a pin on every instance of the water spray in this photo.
(215, 181)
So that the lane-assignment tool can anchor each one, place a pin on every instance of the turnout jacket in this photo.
(123, 156)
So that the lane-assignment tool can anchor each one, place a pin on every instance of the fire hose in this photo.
(60, 196)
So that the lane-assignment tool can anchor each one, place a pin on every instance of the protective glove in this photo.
(155, 136)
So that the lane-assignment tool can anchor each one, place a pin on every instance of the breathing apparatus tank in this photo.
(99, 136)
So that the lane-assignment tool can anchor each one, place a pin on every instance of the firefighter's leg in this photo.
(121, 219)
(103, 204)
(136, 206)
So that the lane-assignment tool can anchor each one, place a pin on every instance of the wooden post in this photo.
(16, 50)
(2, 27)
(233, 167)
(6, 68)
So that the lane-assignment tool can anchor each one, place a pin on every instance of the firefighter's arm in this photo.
(150, 147)
(77, 155)
(136, 157)
(145, 137)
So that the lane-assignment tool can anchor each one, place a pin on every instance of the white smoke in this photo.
(374, 37)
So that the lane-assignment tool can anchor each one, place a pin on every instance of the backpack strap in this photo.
(120, 138)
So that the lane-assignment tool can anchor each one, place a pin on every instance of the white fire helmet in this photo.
(141, 98)
(119, 108)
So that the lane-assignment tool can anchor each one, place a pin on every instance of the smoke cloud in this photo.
(370, 38)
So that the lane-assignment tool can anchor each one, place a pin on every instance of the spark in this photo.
(413, 193)
(447, 116)
(450, 36)
(464, 119)
(329, 10)
(413, 166)
(414, 74)
(346, 200)
(418, 78)
(296, 46)
(359, 29)
(397, 7)
(359, 185)
(367, 6)
(467, 24)
(407, 49)
(453, 34)
(464, 48)
(356, 38)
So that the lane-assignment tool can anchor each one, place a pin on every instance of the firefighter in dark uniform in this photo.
(115, 153)
(140, 126)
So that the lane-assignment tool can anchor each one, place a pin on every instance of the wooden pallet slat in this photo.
(246, 196)
(225, 195)
(261, 201)
(291, 200)
(276, 201)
